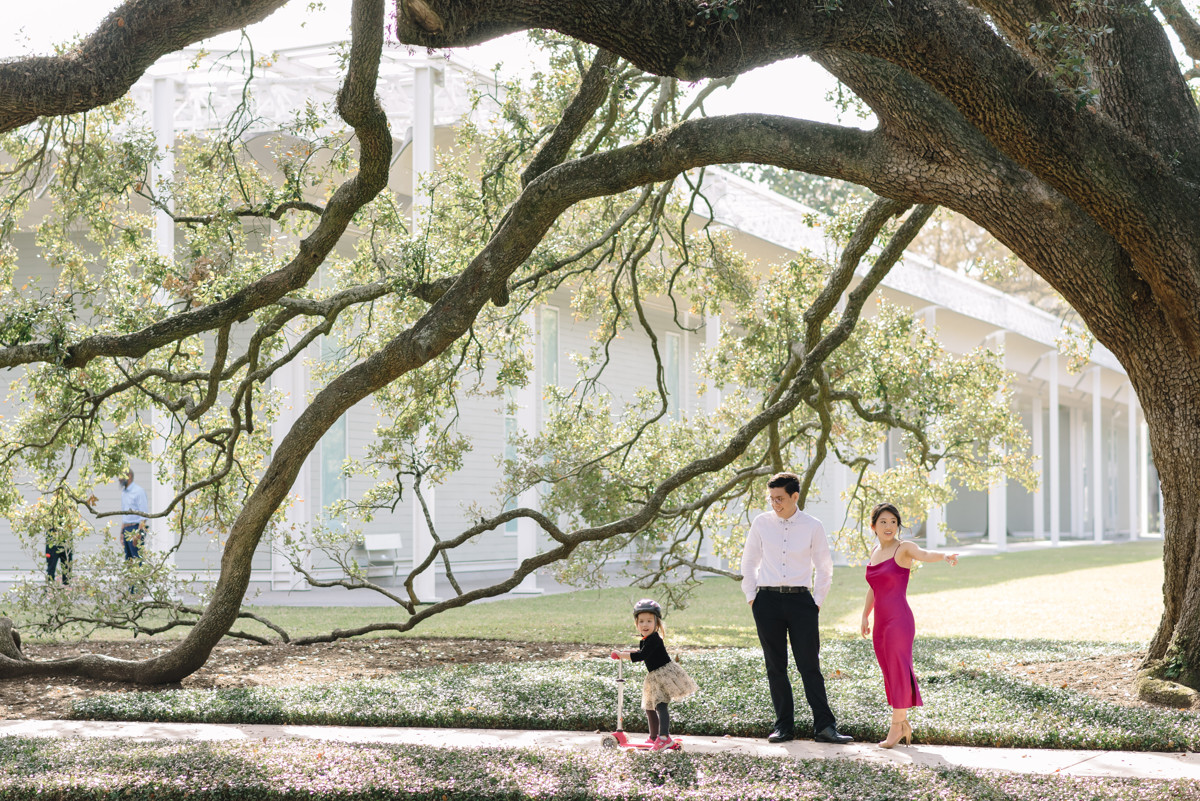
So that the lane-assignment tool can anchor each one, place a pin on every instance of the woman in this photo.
(887, 575)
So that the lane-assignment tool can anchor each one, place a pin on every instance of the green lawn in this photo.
(718, 614)
(1009, 595)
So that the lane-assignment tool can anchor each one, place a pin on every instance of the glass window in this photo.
(548, 342)
(671, 364)
(333, 456)
(333, 449)
(510, 452)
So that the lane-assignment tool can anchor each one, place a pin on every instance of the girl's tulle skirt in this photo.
(666, 684)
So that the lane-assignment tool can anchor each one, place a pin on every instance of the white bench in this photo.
(383, 554)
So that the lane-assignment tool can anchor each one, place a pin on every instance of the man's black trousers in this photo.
(56, 554)
(779, 616)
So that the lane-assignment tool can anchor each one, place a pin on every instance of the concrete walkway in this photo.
(1135, 764)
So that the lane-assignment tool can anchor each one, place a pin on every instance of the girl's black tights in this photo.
(659, 721)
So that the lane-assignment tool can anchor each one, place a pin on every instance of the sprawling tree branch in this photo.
(1108, 171)
(658, 158)
(356, 104)
(106, 64)
(651, 506)
(592, 92)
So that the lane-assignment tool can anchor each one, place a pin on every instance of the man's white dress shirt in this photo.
(133, 499)
(785, 553)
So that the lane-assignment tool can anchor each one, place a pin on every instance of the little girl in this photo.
(666, 681)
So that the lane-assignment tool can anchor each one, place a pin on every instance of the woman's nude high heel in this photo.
(904, 733)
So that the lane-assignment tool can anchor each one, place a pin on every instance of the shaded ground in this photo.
(1110, 678)
(242, 664)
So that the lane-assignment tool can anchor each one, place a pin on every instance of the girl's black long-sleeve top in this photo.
(652, 651)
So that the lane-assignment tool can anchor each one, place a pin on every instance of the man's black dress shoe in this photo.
(781, 736)
(831, 735)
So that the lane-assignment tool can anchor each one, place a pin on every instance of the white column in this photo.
(1075, 468)
(685, 371)
(1097, 459)
(527, 530)
(998, 491)
(1039, 454)
(935, 517)
(1055, 466)
(712, 341)
(291, 381)
(162, 171)
(1134, 466)
(161, 174)
(422, 139)
(425, 584)
(1143, 503)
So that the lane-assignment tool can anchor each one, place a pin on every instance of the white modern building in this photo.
(1085, 428)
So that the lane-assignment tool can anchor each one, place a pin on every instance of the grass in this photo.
(982, 594)
(1004, 595)
(164, 771)
(969, 699)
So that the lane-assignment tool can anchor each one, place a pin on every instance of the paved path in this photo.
(1141, 764)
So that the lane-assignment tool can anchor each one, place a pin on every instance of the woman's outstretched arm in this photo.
(912, 553)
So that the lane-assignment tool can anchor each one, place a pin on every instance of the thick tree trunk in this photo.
(1171, 403)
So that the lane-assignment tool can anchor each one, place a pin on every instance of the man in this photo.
(133, 525)
(783, 548)
(58, 553)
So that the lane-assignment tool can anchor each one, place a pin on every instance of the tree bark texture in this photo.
(106, 64)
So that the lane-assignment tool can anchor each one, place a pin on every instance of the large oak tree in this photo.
(1065, 128)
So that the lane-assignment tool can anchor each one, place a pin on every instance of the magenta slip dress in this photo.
(894, 632)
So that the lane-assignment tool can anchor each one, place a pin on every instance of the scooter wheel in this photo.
(608, 741)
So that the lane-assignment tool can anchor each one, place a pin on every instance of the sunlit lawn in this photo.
(1081, 592)
(1087, 592)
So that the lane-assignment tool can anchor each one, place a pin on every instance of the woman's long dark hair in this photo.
(880, 508)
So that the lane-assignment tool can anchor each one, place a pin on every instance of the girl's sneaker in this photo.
(651, 741)
(662, 743)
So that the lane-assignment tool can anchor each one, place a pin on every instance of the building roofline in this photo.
(774, 217)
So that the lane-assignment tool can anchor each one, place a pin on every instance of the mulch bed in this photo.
(242, 664)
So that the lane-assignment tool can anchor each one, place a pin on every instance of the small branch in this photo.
(592, 91)
(276, 214)
(350, 584)
(433, 534)
(821, 406)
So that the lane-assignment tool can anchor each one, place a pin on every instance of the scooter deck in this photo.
(619, 739)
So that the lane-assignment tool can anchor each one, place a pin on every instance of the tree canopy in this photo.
(1065, 129)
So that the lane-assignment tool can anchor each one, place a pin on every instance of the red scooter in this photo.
(618, 738)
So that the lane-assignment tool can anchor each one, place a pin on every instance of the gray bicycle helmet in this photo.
(647, 605)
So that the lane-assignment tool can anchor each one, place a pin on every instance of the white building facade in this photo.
(1097, 481)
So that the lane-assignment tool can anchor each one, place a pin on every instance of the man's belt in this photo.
(797, 588)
